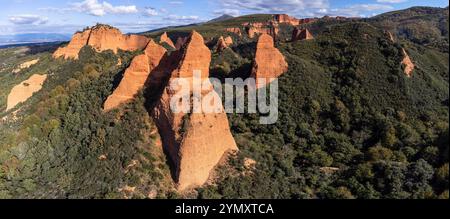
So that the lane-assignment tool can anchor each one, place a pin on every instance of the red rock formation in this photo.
(165, 39)
(235, 30)
(136, 75)
(195, 142)
(180, 42)
(254, 29)
(101, 38)
(407, 64)
(223, 43)
(301, 34)
(79, 40)
(284, 18)
(134, 42)
(229, 41)
(269, 62)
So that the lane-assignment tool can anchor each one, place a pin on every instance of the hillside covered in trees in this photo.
(351, 123)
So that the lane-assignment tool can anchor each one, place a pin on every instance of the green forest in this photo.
(351, 124)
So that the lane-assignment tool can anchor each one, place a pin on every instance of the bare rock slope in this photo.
(22, 92)
(136, 75)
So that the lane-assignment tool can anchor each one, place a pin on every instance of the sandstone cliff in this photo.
(223, 43)
(20, 93)
(79, 40)
(101, 38)
(235, 30)
(254, 29)
(165, 39)
(136, 75)
(284, 18)
(195, 142)
(407, 63)
(269, 62)
(301, 34)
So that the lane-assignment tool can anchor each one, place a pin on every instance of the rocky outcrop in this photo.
(286, 19)
(105, 38)
(22, 92)
(180, 42)
(165, 39)
(301, 34)
(195, 141)
(25, 65)
(79, 40)
(223, 43)
(408, 65)
(228, 41)
(269, 62)
(235, 30)
(136, 75)
(254, 29)
(101, 38)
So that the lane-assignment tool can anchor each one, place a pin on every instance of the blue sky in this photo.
(67, 16)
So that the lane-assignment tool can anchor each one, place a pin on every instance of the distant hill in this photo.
(32, 38)
(422, 25)
(221, 18)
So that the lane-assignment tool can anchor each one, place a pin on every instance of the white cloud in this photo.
(391, 1)
(270, 6)
(359, 10)
(183, 18)
(150, 12)
(27, 19)
(93, 7)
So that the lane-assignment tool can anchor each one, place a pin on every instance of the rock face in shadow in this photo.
(165, 39)
(269, 62)
(136, 75)
(407, 63)
(195, 141)
(22, 92)
(180, 42)
(101, 38)
(301, 34)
